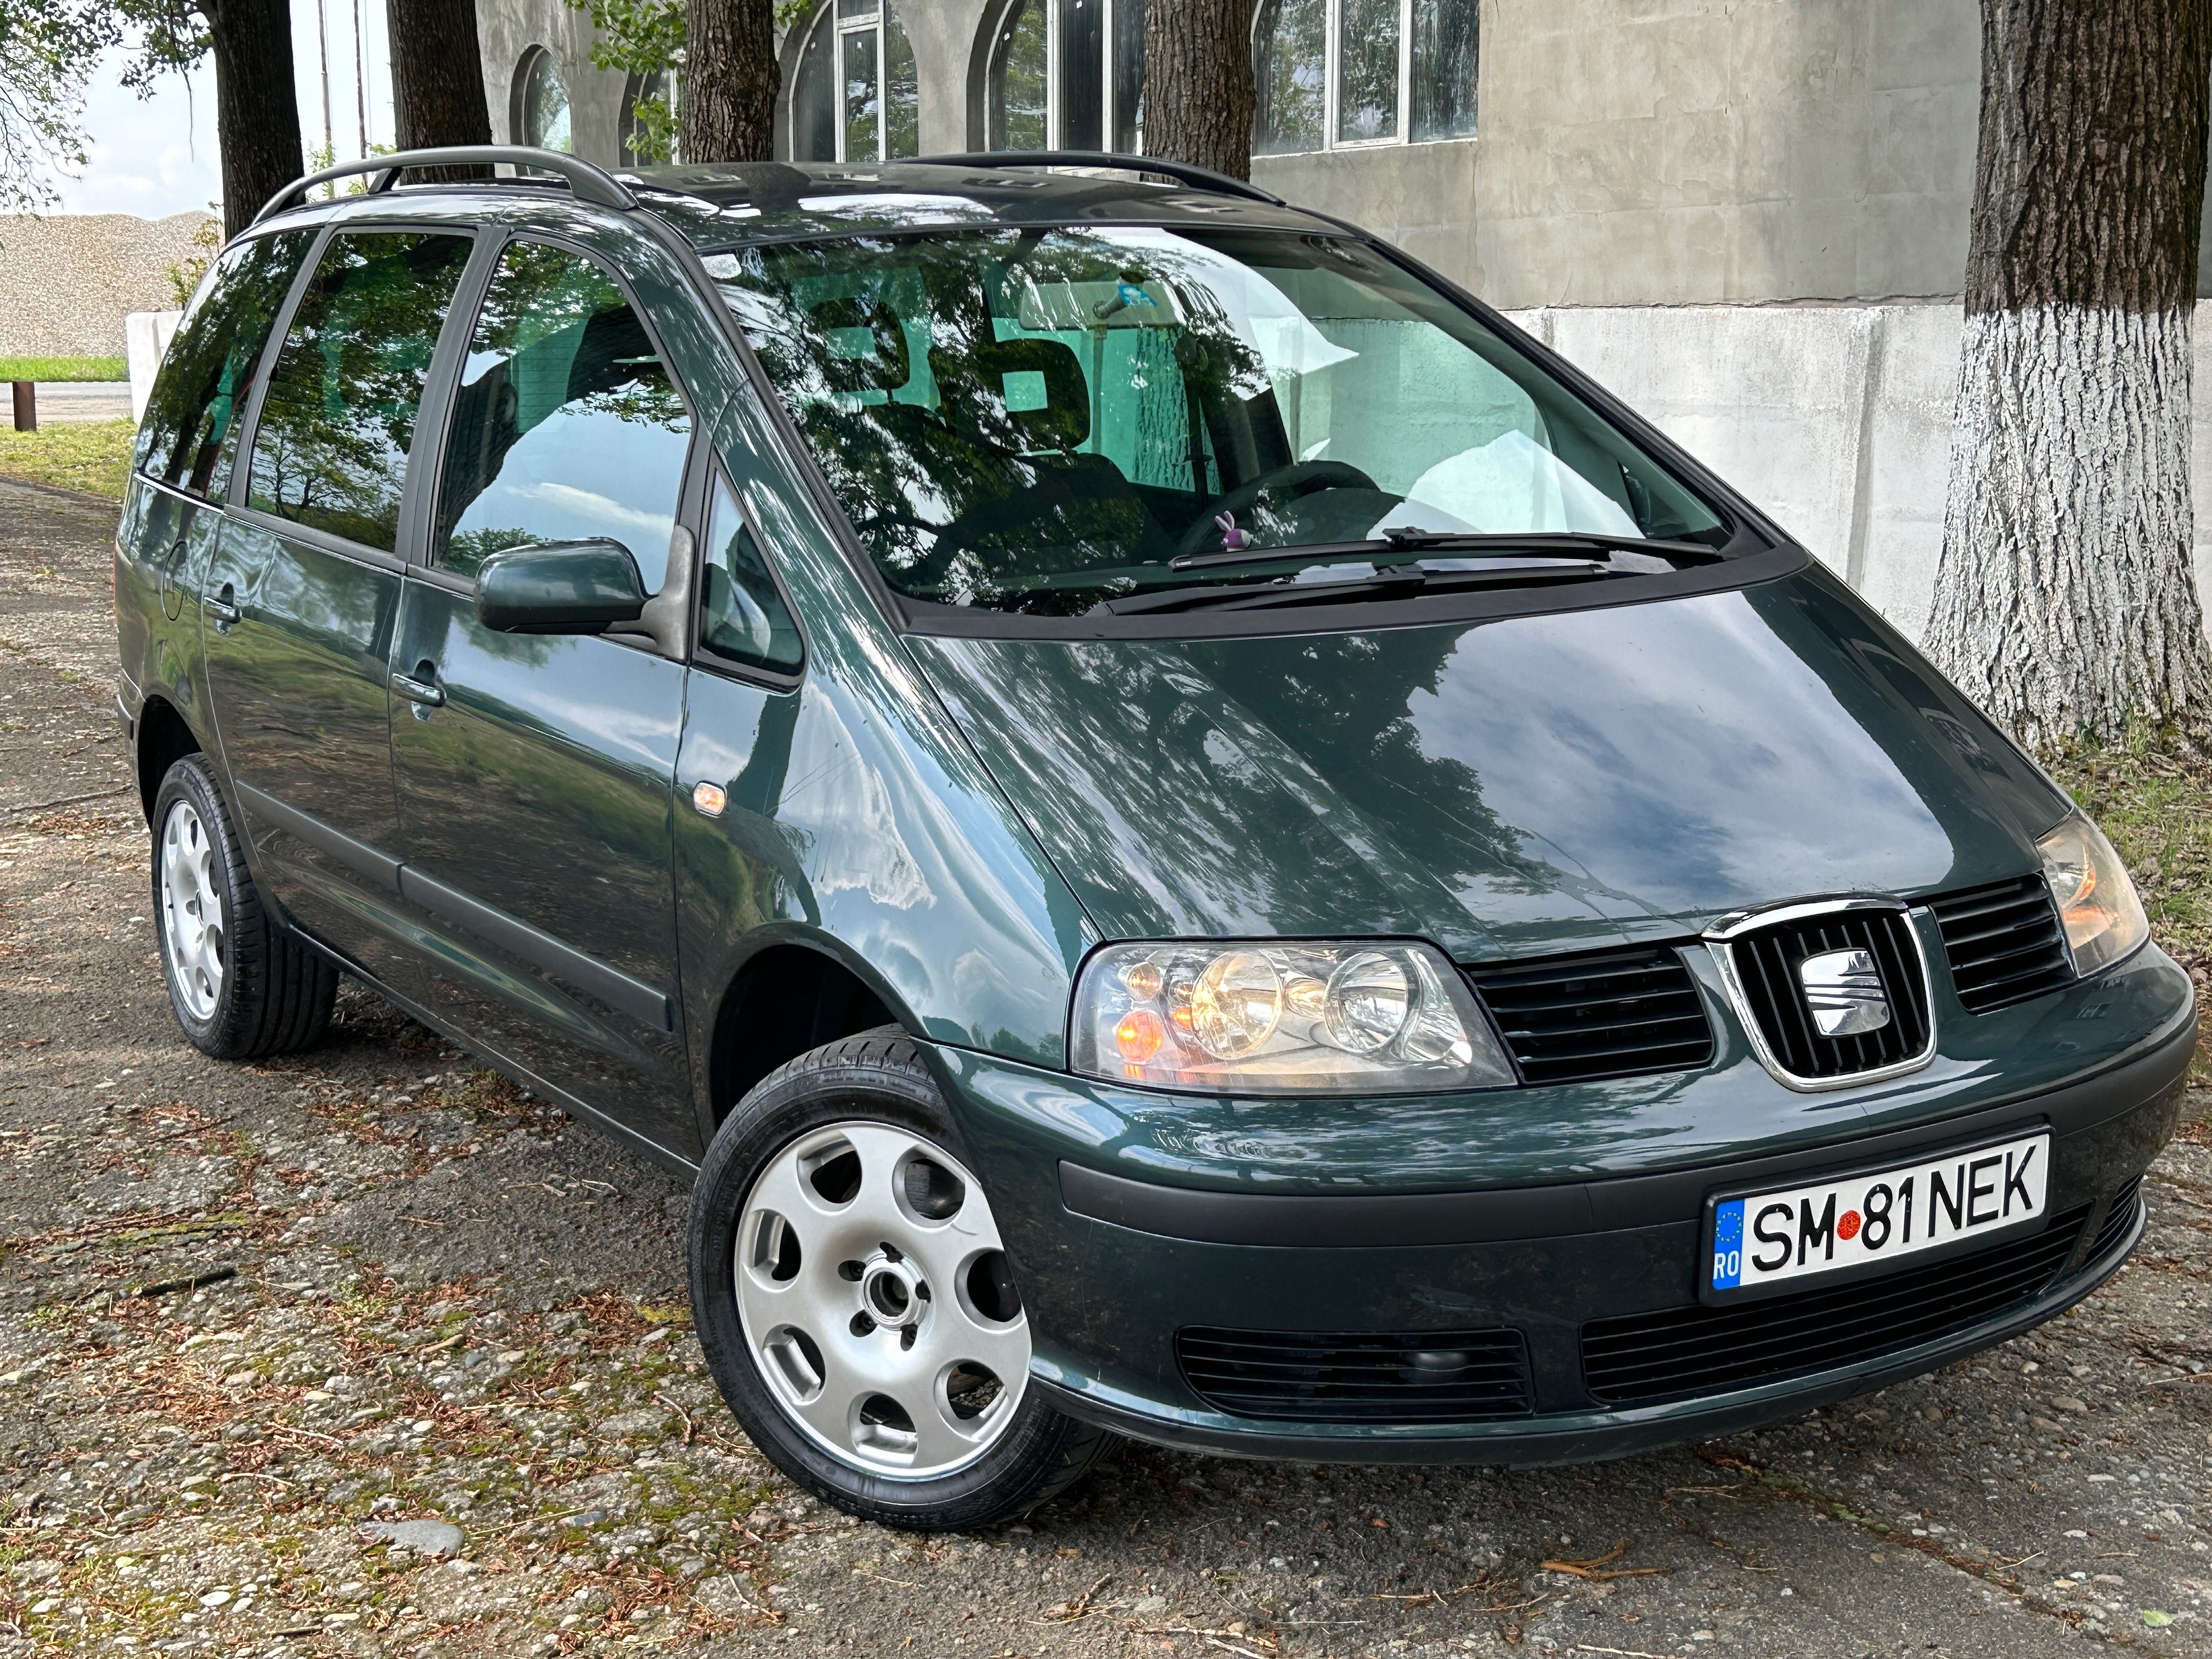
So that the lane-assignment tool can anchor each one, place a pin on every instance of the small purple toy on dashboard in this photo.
(1233, 540)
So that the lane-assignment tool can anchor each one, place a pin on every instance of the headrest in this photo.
(1026, 394)
(867, 347)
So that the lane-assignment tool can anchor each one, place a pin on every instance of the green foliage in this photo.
(644, 38)
(46, 51)
(64, 369)
(638, 37)
(184, 274)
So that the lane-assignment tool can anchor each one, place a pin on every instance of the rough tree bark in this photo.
(2065, 603)
(437, 78)
(1198, 83)
(725, 104)
(257, 111)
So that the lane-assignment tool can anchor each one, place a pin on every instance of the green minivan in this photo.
(1183, 832)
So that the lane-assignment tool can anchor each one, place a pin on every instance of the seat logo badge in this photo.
(1844, 993)
(709, 799)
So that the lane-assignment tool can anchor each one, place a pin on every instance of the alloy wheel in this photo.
(191, 911)
(875, 1297)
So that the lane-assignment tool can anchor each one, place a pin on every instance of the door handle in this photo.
(426, 693)
(223, 607)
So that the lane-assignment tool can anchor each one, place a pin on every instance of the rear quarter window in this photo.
(190, 435)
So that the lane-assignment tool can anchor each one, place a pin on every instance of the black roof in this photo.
(734, 203)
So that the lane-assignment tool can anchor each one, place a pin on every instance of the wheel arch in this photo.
(794, 993)
(165, 738)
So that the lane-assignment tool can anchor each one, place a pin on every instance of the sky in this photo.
(158, 155)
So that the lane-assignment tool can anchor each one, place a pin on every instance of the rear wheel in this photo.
(240, 983)
(856, 1303)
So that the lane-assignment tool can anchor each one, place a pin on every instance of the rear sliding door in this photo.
(301, 600)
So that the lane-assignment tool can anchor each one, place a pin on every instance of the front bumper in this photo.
(1113, 1265)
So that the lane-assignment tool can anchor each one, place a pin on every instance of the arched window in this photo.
(856, 95)
(540, 117)
(1066, 75)
(1332, 74)
(646, 139)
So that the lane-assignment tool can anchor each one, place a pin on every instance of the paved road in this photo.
(444, 1304)
(65, 401)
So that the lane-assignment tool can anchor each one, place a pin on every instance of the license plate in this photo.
(1861, 1220)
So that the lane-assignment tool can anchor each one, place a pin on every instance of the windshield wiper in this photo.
(1383, 584)
(1412, 544)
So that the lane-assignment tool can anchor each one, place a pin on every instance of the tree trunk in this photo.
(257, 111)
(2065, 602)
(726, 100)
(1198, 83)
(437, 79)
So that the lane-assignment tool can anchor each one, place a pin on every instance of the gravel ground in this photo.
(365, 1351)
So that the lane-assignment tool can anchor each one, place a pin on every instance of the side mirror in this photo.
(560, 588)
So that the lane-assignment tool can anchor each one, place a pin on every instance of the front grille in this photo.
(1682, 1352)
(1609, 1013)
(2118, 1219)
(1767, 963)
(1306, 1376)
(2003, 943)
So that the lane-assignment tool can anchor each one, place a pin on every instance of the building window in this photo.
(856, 95)
(649, 113)
(541, 102)
(1066, 75)
(1334, 74)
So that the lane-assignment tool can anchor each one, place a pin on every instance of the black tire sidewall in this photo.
(829, 1087)
(190, 781)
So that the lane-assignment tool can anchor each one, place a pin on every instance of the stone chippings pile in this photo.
(68, 279)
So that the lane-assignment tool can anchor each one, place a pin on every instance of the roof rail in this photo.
(1181, 172)
(589, 183)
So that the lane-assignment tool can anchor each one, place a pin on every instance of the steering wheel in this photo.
(1299, 478)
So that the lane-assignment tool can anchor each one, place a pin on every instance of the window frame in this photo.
(418, 531)
(1109, 78)
(248, 420)
(517, 109)
(830, 15)
(1332, 84)
(429, 412)
(700, 499)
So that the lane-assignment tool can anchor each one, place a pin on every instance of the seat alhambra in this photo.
(1183, 832)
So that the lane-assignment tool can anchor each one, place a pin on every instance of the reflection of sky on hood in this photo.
(1719, 770)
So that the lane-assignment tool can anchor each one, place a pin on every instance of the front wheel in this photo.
(856, 1305)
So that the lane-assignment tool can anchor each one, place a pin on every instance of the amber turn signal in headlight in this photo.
(1260, 1016)
(2097, 902)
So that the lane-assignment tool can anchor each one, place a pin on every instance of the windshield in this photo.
(1044, 420)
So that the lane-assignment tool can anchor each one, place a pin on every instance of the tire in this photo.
(241, 983)
(870, 1096)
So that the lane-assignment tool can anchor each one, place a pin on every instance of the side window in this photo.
(330, 449)
(742, 616)
(567, 428)
(190, 429)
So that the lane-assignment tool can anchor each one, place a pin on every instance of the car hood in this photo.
(1552, 782)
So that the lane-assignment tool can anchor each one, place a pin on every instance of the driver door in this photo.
(535, 772)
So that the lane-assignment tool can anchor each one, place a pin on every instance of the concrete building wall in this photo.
(1668, 152)
(507, 29)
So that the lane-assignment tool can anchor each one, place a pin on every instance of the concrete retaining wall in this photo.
(1836, 420)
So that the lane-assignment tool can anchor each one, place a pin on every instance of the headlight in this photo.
(1276, 1018)
(2104, 918)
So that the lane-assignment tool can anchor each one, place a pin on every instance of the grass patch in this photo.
(94, 456)
(64, 369)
